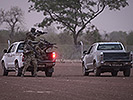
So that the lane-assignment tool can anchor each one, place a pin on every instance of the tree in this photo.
(92, 36)
(130, 38)
(74, 15)
(118, 36)
(65, 38)
(13, 18)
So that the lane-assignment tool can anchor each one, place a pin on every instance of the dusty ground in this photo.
(67, 83)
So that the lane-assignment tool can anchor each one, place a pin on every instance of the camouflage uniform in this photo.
(40, 48)
(41, 54)
(29, 58)
(30, 36)
(29, 54)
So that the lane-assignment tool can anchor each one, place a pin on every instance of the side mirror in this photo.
(5, 50)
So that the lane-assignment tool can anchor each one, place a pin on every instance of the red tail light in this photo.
(54, 55)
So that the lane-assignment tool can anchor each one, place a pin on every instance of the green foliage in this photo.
(73, 15)
(66, 51)
(72, 12)
(53, 38)
(65, 38)
(5, 36)
(13, 18)
(115, 4)
(130, 38)
(91, 36)
(118, 36)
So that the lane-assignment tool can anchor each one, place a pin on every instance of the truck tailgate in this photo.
(49, 60)
(117, 56)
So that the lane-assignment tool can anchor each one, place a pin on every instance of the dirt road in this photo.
(67, 83)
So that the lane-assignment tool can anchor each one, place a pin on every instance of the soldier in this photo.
(29, 53)
(40, 49)
(31, 35)
(29, 58)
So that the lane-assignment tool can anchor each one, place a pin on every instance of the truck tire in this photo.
(114, 73)
(49, 72)
(84, 71)
(126, 72)
(4, 71)
(17, 69)
(97, 71)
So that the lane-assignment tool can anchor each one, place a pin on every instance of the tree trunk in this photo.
(12, 33)
(75, 38)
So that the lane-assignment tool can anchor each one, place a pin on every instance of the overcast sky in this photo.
(107, 21)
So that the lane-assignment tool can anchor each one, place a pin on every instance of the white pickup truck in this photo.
(107, 57)
(13, 60)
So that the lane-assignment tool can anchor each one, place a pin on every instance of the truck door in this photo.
(10, 56)
(89, 58)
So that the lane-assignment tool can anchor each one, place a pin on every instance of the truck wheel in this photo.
(84, 71)
(126, 72)
(114, 73)
(97, 71)
(4, 71)
(17, 69)
(49, 72)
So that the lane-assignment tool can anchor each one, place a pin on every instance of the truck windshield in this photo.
(20, 48)
(109, 47)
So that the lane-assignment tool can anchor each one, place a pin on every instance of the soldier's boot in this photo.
(35, 75)
(22, 75)
(35, 70)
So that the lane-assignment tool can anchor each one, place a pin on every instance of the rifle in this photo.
(38, 33)
(31, 48)
(45, 44)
